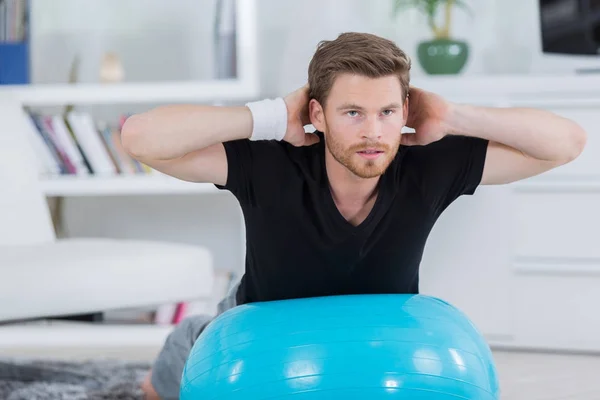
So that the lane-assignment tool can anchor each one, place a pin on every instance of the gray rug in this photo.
(62, 380)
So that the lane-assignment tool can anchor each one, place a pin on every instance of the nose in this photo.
(372, 129)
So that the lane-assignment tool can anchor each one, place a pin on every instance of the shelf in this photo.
(559, 89)
(143, 92)
(545, 185)
(494, 89)
(73, 334)
(121, 185)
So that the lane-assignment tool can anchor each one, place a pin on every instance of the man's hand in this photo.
(297, 107)
(427, 115)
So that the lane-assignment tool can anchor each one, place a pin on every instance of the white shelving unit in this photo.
(69, 186)
(518, 89)
(244, 87)
(14, 98)
(57, 335)
(126, 93)
(143, 92)
(574, 185)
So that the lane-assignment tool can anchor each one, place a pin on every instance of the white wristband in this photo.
(269, 119)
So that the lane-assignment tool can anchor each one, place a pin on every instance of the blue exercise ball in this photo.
(341, 347)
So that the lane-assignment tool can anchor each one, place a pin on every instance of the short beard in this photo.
(364, 168)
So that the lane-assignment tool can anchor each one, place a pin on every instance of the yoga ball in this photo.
(341, 347)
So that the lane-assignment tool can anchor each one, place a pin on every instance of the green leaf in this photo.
(427, 7)
(400, 5)
(462, 4)
(431, 7)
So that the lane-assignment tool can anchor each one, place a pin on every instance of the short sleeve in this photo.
(449, 168)
(255, 171)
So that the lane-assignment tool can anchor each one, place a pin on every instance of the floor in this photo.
(523, 376)
(539, 376)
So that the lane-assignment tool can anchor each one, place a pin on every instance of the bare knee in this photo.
(148, 389)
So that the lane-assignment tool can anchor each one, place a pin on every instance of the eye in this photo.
(388, 112)
(350, 113)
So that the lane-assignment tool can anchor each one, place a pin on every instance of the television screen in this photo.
(570, 26)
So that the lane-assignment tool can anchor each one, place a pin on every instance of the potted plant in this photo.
(442, 54)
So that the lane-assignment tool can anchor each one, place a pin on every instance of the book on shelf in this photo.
(76, 144)
(14, 20)
(14, 42)
(173, 314)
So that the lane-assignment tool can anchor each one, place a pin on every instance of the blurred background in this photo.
(521, 260)
(157, 40)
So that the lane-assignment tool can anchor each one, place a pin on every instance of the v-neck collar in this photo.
(347, 224)
(337, 216)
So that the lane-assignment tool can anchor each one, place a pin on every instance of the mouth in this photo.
(370, 153)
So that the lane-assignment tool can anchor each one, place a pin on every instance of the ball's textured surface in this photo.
(342, 347)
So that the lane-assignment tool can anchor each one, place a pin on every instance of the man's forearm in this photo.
(536, 133)
(170, 132)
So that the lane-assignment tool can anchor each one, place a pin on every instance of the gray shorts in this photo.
(168, 366)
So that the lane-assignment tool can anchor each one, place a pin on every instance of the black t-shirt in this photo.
(299, 245)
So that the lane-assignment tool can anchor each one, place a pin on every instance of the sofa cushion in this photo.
(76, 276)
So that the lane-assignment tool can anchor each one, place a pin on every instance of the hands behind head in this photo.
(427, 115)
(298, 117)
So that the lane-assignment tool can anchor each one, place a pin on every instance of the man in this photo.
(346, 209)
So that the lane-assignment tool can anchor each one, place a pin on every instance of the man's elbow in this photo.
(577, 141)
(133, 138)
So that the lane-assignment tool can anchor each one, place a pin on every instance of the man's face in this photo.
(362, 122)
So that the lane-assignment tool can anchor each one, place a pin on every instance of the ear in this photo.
(317, 115)
(405, 111)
